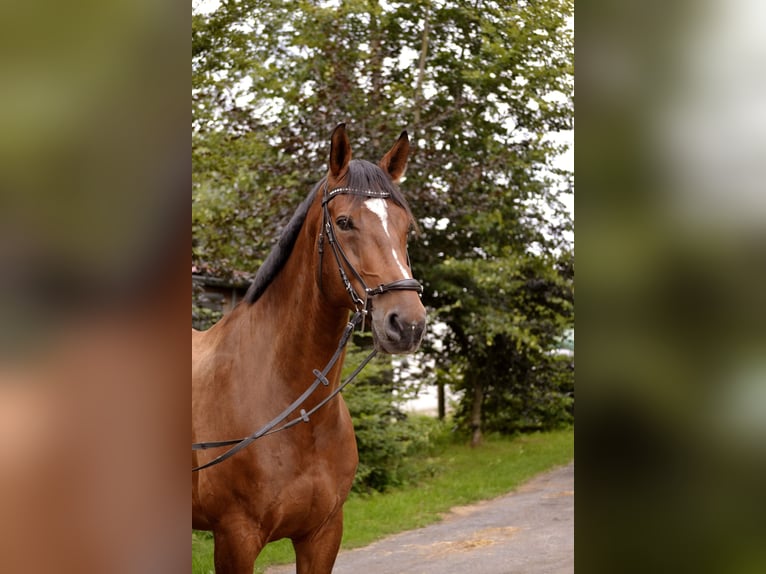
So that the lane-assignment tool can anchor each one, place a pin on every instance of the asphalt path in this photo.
(528, 531)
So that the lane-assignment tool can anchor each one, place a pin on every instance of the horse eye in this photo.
(345, 223)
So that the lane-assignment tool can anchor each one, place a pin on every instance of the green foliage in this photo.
(203, 316)
(506, 317)
(271, 79)
(539, 396)
(386, 437)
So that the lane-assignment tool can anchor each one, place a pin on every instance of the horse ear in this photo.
(340, 151)
(394, 163)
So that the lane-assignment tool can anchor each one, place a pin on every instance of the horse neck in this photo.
(294, 318)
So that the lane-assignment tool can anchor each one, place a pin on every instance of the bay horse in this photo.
(350, 232)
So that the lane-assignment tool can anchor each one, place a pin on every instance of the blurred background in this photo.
(94, 180)
(671, 214)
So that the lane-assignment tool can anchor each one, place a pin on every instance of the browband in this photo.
(328, 195)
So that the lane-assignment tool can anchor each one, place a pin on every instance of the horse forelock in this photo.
(365, 175)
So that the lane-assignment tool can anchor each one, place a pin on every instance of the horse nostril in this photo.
(394, 326)
(400, 330)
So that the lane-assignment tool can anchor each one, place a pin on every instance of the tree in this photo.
(478, 85)
(506, 315)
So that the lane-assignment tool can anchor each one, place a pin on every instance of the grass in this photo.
(455, 475)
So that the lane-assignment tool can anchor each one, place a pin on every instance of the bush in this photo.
(387, 438)
(545, 400)
(536, 395)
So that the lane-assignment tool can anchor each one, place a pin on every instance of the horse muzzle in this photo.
(398, 332)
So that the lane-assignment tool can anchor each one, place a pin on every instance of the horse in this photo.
(350, 232)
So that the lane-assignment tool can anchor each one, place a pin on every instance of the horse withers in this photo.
(344, 250)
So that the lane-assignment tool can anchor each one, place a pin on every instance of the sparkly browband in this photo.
(353, 191)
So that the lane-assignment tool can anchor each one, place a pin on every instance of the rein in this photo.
(320, 377)
(268, 428)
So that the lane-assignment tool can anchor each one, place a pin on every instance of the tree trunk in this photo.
(421, 73)
(478, 398)
(374, 127)
(440, 400)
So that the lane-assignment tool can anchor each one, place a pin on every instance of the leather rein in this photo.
(362, 306)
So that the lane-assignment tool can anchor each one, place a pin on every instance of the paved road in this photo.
(529, 531)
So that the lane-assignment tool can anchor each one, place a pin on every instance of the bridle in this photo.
(361, 306)
(328, 230)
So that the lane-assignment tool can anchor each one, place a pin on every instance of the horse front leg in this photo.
(316, 552)
(237, 544)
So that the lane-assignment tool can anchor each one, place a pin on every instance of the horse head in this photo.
(366, 221)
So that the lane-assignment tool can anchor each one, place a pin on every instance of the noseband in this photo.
(328, 229)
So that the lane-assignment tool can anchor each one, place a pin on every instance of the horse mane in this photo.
(361, 174)
(280, 253)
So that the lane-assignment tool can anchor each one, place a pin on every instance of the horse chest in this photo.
(305, 491)
(323, 467)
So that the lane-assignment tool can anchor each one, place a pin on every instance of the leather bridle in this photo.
(362, 307)
(328, 230)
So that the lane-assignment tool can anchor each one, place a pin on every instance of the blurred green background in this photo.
(671, 442)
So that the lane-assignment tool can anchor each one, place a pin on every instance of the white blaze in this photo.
(380, 208)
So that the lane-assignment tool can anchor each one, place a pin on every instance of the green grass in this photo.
(454, 475)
